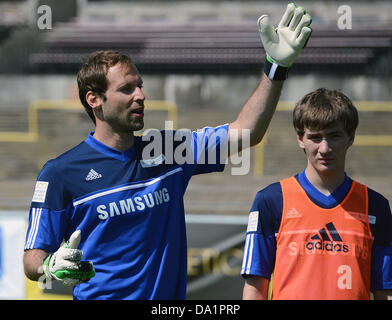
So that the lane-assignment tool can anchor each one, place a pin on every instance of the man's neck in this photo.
(119, 141)
(326, 182)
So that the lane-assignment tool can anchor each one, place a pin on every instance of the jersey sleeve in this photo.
(209, 147)
(380, 219)
(48, 216)
(263, 225)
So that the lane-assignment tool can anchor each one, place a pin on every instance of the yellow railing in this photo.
(36, 106)
(10, 136)
(33, 136)
(360, 140)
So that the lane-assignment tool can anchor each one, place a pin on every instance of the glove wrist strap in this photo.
(45, 266)
(275, 71)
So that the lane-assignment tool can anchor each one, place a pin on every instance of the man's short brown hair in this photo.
(92, 75)
(323, 108)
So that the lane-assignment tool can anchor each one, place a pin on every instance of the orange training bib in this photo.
(323, 253)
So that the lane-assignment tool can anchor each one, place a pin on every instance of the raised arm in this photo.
(257, 112)
(282, 46)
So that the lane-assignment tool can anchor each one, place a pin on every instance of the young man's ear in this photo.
(301, 142)
(351, 141)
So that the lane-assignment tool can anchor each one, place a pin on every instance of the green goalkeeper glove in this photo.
(283, 44)
(65, 266)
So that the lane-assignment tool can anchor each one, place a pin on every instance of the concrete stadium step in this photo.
(222, 193)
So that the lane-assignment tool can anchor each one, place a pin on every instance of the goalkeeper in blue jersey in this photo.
(108, 220)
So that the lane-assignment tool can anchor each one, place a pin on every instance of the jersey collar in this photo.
(109, 151)
(319, 198)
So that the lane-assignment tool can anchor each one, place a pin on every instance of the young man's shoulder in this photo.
(379, 212)
(374, 196)
(378, 204)
(272, 192)
(269, 199)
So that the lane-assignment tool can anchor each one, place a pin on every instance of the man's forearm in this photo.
(255, 288)
(257, 112)
(33, 261)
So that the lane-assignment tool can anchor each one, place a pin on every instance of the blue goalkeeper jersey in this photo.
(129, 209)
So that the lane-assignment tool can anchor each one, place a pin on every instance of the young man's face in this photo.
(326, 149)
(124, 105)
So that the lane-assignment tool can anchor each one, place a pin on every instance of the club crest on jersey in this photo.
(327, 239)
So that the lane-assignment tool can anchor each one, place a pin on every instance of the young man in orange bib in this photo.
(321, 234)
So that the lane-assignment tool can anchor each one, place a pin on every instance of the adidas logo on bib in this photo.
(92, 175)
(321, 241)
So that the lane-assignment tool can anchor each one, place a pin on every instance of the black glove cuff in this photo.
(46, 257)
(275, 71)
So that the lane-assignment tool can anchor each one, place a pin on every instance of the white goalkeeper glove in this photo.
(65, 264)
(283, 44)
